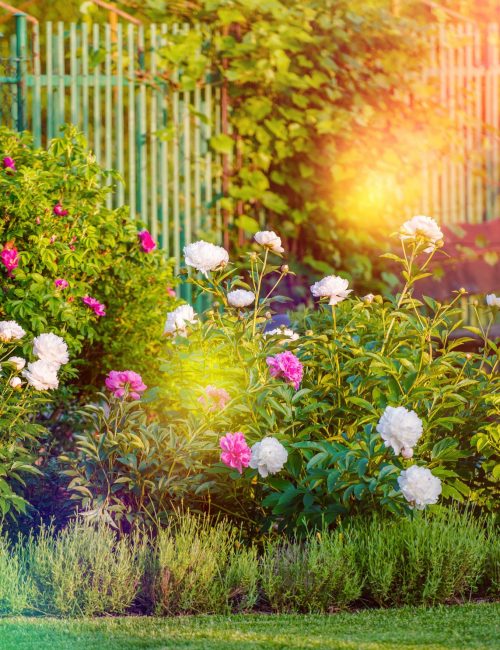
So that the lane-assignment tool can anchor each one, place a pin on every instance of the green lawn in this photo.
(441, 628)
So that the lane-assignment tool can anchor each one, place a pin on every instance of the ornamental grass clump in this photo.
(84, 569)
(426, 560)
(319, 574)
(193, 559)
(16, 587)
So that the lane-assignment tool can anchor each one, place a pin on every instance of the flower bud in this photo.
(268, 315)
(368, 298)
(15, 383)
(284, 269)
(468, 356)
(253, 256)
(309, 332)
(407, 453)
(462, 290)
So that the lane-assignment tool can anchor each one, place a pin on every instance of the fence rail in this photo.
(108, 81)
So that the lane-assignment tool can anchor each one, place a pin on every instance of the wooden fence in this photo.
(108, 82)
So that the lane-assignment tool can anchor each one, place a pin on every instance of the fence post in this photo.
(21, 50)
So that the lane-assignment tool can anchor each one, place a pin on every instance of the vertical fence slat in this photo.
(97, 93)
(73, 69)
(164, 159)
(479, 120)
(49, 70)
(131, 119)
(108, 108)
(142, 197)
(120, 134)
(60, 74)
(469, 116)
(153, 138)
(85, 78)
(37, 95)
(209, 116)
(175, 168)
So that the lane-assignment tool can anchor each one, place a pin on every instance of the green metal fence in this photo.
(107, 82)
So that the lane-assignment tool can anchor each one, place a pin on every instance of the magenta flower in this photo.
(10, 258)
(235, 451)
(286, 365)
(59, 211)
(98, 308)
(61, 283)
(147, 242)
(171, 292)
(215, 399)
(8, 163)
(125, 383)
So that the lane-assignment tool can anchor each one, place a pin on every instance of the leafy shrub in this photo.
(421, 561)
(70, 246)
(318, 575)
(84, 570)
(25, 389)
(129, 471)
(321, 396)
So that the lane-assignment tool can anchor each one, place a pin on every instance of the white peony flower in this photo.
(400, 428)
(368, 298)
(268, 456)
(424, 228)
(15, 382)
(42, 375)
(493, 300)
(240, 298)
(419, 486)
(10, 331)
(332, 287)
(284, 332)
(178, 319)
(269, 239)
(17, 362)
(205, 257)
(52, 348)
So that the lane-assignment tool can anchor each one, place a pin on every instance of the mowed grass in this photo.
(441, 628)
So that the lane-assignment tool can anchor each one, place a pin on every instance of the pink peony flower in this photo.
(61, 283)
(147, 242)
(59, 211)
(235, 451)
(286, 365)
(214, 398)
(8, 163)
(10, 258)
(98, 308)
(125, 383)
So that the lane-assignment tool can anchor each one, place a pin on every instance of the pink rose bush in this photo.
(9, 164)
(235, 451)
(148, 244)
(10, 258)
(125, 384)
(287, 366)
(61, 283)
(59, 211)
(97, 307)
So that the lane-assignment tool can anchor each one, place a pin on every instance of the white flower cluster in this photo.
(10, 331)
(332, 287)
(240, 298)
(421, 227)
(205, 257)
(400, 429)
(419, 486)
(52, 353)
(284, 333)
(270, 240)
(178, 320)
(268, 456)
(492, 300)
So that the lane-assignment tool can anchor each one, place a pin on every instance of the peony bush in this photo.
(364, 404)
(29, 373)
